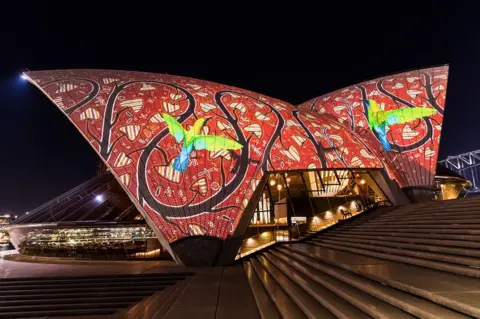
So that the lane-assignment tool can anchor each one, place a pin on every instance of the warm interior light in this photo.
(289, 179)
(279, 187)
(362, 181)
(272, 182)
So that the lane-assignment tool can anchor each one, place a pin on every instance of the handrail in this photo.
(63, 195)
(70, 204)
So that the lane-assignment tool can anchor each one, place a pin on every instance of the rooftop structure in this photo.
(195, 156)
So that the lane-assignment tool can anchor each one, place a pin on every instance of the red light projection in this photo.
(412, 105)
(125, 116)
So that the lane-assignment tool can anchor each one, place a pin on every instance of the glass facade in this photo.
(4, 238)
(100, 242)
(4, 221)
(297, 203)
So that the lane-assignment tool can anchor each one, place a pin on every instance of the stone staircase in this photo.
(416, 261)
(79, 296)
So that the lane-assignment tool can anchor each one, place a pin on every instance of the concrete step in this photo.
(79, 296)
(329, 287)
(66, 306)
(113, 285)
(443, 246)
(421, 288)
(444, 219)
(448, 267)
(97, 281)
(427, 222)
(108, 277)
(438, 214)
(74, 295)
(285, 305)
(433, 205)
(265, 304)
(430, 212)
(56, 313)
(458, 227)
(355, 221)
(459, 202)
(39, 290)
(418, 210)
(435, 252)
(140, 310)
(75, 300)
(310, 307)
(413, 305)
(471, 239)
(350, 223)
(127, 276)
(437, 230)
(386, 248)
(437, 204)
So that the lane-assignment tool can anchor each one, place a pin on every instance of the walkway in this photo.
(45, 268)
(211, 293)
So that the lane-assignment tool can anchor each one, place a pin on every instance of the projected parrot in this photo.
(194, 140)
(379, 120)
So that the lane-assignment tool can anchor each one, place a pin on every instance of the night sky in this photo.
(291, 57)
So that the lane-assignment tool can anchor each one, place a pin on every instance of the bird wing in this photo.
(373, 106)
(382, 136)
(197, 127)
(406, 115)
(174, 127)
(215, 143)
(373, 112)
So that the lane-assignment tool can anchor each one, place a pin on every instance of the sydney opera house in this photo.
(207, 173)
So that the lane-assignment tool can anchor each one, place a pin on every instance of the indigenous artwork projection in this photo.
(191, 153)
(398, 116)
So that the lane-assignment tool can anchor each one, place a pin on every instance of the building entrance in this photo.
(294, 204)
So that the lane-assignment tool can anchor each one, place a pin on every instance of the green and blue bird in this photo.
(379, 120)
(193, 139)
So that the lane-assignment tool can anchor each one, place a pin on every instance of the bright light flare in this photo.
(99, 198)
(24, 77)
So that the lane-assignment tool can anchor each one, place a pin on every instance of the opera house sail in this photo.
(194, 156)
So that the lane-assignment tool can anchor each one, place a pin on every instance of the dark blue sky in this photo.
(293, 57)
